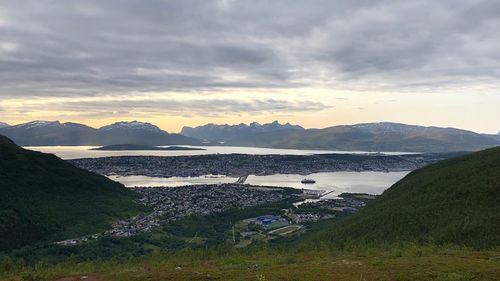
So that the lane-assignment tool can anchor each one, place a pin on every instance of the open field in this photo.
(392, 263)
(285, 230)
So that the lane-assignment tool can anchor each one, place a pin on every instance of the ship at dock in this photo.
(308, 181)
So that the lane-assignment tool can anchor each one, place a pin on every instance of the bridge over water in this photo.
(242, 179)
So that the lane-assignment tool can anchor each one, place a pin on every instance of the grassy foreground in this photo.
(403, 262)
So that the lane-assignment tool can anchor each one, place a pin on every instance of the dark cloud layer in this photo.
(84, 48)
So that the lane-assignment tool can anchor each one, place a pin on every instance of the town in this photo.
(243, 164)
(169, 204)
(296, 218)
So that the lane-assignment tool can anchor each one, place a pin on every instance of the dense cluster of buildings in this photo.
(244, 164)
(314, 211)
(291, 220)
(171, 203)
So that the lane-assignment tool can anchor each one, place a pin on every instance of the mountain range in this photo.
(39, 133)
(237, 133)
(383, 136)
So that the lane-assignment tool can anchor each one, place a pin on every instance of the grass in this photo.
(393, 262)
(285, 230)
(454, 201)
(44, 199)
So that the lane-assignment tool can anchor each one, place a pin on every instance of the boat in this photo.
(308, 181)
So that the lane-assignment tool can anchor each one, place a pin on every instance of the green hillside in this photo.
(454, 201)
(44, 198)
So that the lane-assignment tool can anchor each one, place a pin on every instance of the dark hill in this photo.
(44, 198)
(454, 201)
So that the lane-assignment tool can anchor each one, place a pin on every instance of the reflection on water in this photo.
(338, 182)
(75, 152)
(132, 181)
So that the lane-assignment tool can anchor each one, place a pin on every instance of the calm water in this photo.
(339, 182)
(366, 182)
(75, 152)
(132, 181)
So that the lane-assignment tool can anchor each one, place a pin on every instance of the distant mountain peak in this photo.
(392, 127)
(132, 125)
(3, 125)
(38, 124)
(225, 133)
(72, 125)
(382, 124)
(275, 124)
(56, 133)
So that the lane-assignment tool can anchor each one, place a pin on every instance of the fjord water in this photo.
(338, 182)
(75, 152)
(133, 181)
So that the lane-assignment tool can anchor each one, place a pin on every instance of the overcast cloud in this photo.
(91, 47)
(199, 47)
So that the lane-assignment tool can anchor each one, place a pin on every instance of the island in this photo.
(121, 147)
(239, 165)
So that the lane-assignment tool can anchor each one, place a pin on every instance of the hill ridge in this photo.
(453, 201)
(45, 198)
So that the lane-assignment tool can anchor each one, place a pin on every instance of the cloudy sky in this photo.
(313, 62)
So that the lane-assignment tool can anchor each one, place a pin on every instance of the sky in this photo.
(316, 63)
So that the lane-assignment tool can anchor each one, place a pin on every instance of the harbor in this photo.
(331, 183)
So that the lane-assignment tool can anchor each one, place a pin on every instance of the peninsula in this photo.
(121, 147)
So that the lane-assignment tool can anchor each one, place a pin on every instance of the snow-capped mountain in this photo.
(382, 136)
(133, 125)
(56, 133)
(495, 136)
(136, 132)
(386, 136)
(42, 124)
(231, 133)
(38, 124)
(48, 133)
(401, 129)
